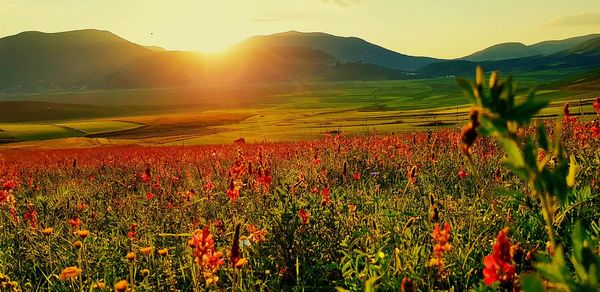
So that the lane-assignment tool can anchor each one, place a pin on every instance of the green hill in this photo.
(344, 49)
(514, 50)
(32, 60)
(502, 52)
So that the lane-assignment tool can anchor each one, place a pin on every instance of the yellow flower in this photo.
(121, 286)
(48, 231)
(83, 233)
(130, 256)
(163, 252)
(147, 250)
(99, 285)
(69, 273)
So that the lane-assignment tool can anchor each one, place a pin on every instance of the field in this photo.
(336, 212)
(262, 112)
(343, 203)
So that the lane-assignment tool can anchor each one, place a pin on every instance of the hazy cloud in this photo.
(342, 3)
(583, 19)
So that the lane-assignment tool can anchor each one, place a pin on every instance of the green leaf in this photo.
(467, 88)
(532, 283)
(542, 137)
(514, 153)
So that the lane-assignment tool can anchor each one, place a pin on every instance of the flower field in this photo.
(438, 209)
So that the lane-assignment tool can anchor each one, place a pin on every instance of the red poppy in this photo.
(304, 216)
(498, 265)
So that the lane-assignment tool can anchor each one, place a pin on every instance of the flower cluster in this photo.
(498, 265)
(441, 238)
(205, 255)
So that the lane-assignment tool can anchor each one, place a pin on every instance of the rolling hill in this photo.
(33, 61)
(514, 50)
(344, 49)
(585, 56)
(62, 60)
(95, 59)
(501, 52)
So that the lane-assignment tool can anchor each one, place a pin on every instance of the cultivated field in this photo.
(268, 112)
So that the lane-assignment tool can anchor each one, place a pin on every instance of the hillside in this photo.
(67, 59)
(501, 52)
(34, 61)
(344, 49)
(585, 56)
(514, 50)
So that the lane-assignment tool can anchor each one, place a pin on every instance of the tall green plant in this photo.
(498, 112)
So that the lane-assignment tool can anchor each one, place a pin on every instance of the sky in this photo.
(436, 28)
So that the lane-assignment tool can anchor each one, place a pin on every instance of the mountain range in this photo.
(33, 61)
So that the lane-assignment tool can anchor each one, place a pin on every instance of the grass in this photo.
(31, 131)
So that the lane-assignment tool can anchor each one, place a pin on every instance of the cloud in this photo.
(342, 3)
(583, 19)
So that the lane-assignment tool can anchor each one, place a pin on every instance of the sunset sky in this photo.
(438, 28)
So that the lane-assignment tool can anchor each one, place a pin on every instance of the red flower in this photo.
(9, 185)
(498, 265)
(205, 255)
(233, 192)
(462, 174)
(596, 131)
(304, 216)
(149, 196)
(75, 222)
(132, 232)
(31, 216)
(356, 176)
(326, 197)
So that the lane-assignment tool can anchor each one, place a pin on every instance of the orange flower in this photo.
(48, 231)
(83, 233)
(240, 263)
(205, 255)
(163, 252)
(77, 244)
(69, 273)
(121, 286)
(147, 250)
(441, 238)
(130, 256)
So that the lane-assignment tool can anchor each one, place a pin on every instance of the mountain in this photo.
(501, 52)
(34, 61)
(585, 56)
(65, 59)
(551, 47)
(344, 49)
(590, 48)
(514, 50)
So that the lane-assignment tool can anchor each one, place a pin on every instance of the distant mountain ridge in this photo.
(514, 50)
(344, 49)
(36, 61)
